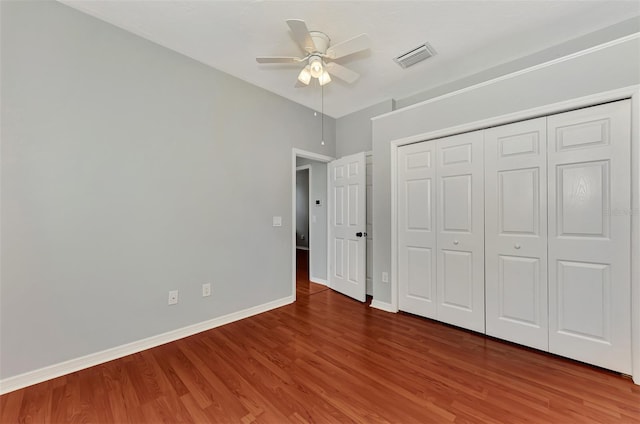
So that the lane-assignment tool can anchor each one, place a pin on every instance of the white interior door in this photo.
(589, 235)
(417, 229)
(347, 226)
(516, 233)
(460, 230)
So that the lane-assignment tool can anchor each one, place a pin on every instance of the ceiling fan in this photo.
(320, 55)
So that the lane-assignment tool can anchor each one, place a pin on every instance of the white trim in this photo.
(319, 281)
(394, 229)
(383, 306)
(632, 92)
(369, 280)
(311, 155)
(328, 225)
(309, 209)
(635, 236)
(514, 74)
(311, 227)
(299, 153)
(53, 371)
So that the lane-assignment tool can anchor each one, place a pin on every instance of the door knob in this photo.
(516, 246)
(358, 234)
(456, 242)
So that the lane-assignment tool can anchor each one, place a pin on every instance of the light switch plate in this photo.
(173, 297)
(277, 221)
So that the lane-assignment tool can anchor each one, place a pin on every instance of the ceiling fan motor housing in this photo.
(321, 41)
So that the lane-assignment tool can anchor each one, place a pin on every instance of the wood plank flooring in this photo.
(304, 287)
(330, 359)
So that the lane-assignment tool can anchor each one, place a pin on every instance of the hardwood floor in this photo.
(328, 358)
(304, 287)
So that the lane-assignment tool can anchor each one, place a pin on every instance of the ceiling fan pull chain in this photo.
(322, 112)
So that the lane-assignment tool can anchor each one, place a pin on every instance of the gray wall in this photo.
(610, 68)
(302, 208)
(353, 131)
(318, 230)
(129, 170)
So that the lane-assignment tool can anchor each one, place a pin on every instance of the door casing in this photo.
(298, 153)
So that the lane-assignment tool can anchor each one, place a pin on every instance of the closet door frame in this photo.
(631, 92)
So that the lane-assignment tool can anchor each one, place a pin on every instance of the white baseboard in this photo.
(53, 371)
(319, 281)
(384, 306)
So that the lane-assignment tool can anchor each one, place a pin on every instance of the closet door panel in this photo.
(516, 232)
(460, 231)
(416, 229)
(589, 235)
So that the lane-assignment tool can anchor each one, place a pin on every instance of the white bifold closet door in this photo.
(417, 229)
(460, 227)
(546, 209)
(589, 235)
(516, 233)
(441, 230)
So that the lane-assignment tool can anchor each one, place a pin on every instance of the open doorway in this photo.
(303, 188)
(309, 203)
(304, 286)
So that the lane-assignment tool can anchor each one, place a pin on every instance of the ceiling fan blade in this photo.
(300, 84)
(345, 48)
(278, 59)
(339, 71)
(301, 34)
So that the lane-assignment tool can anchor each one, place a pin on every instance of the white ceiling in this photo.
(469, 36)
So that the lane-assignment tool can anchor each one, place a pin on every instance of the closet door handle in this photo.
(516, 246)
(456, 242)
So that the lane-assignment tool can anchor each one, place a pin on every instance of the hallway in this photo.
(304, 287)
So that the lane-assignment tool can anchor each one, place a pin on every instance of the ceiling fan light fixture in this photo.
(316, 68)
(317, 47)
(324, 78)
(305, 75)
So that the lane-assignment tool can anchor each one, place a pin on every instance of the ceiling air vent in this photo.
(416, 55)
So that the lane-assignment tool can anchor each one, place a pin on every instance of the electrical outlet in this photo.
(206, 289)
(385, 277)
(173, 297)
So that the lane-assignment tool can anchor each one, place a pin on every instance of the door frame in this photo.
(630, 92)
(299, 153)
(298, 169)
(369, 154)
